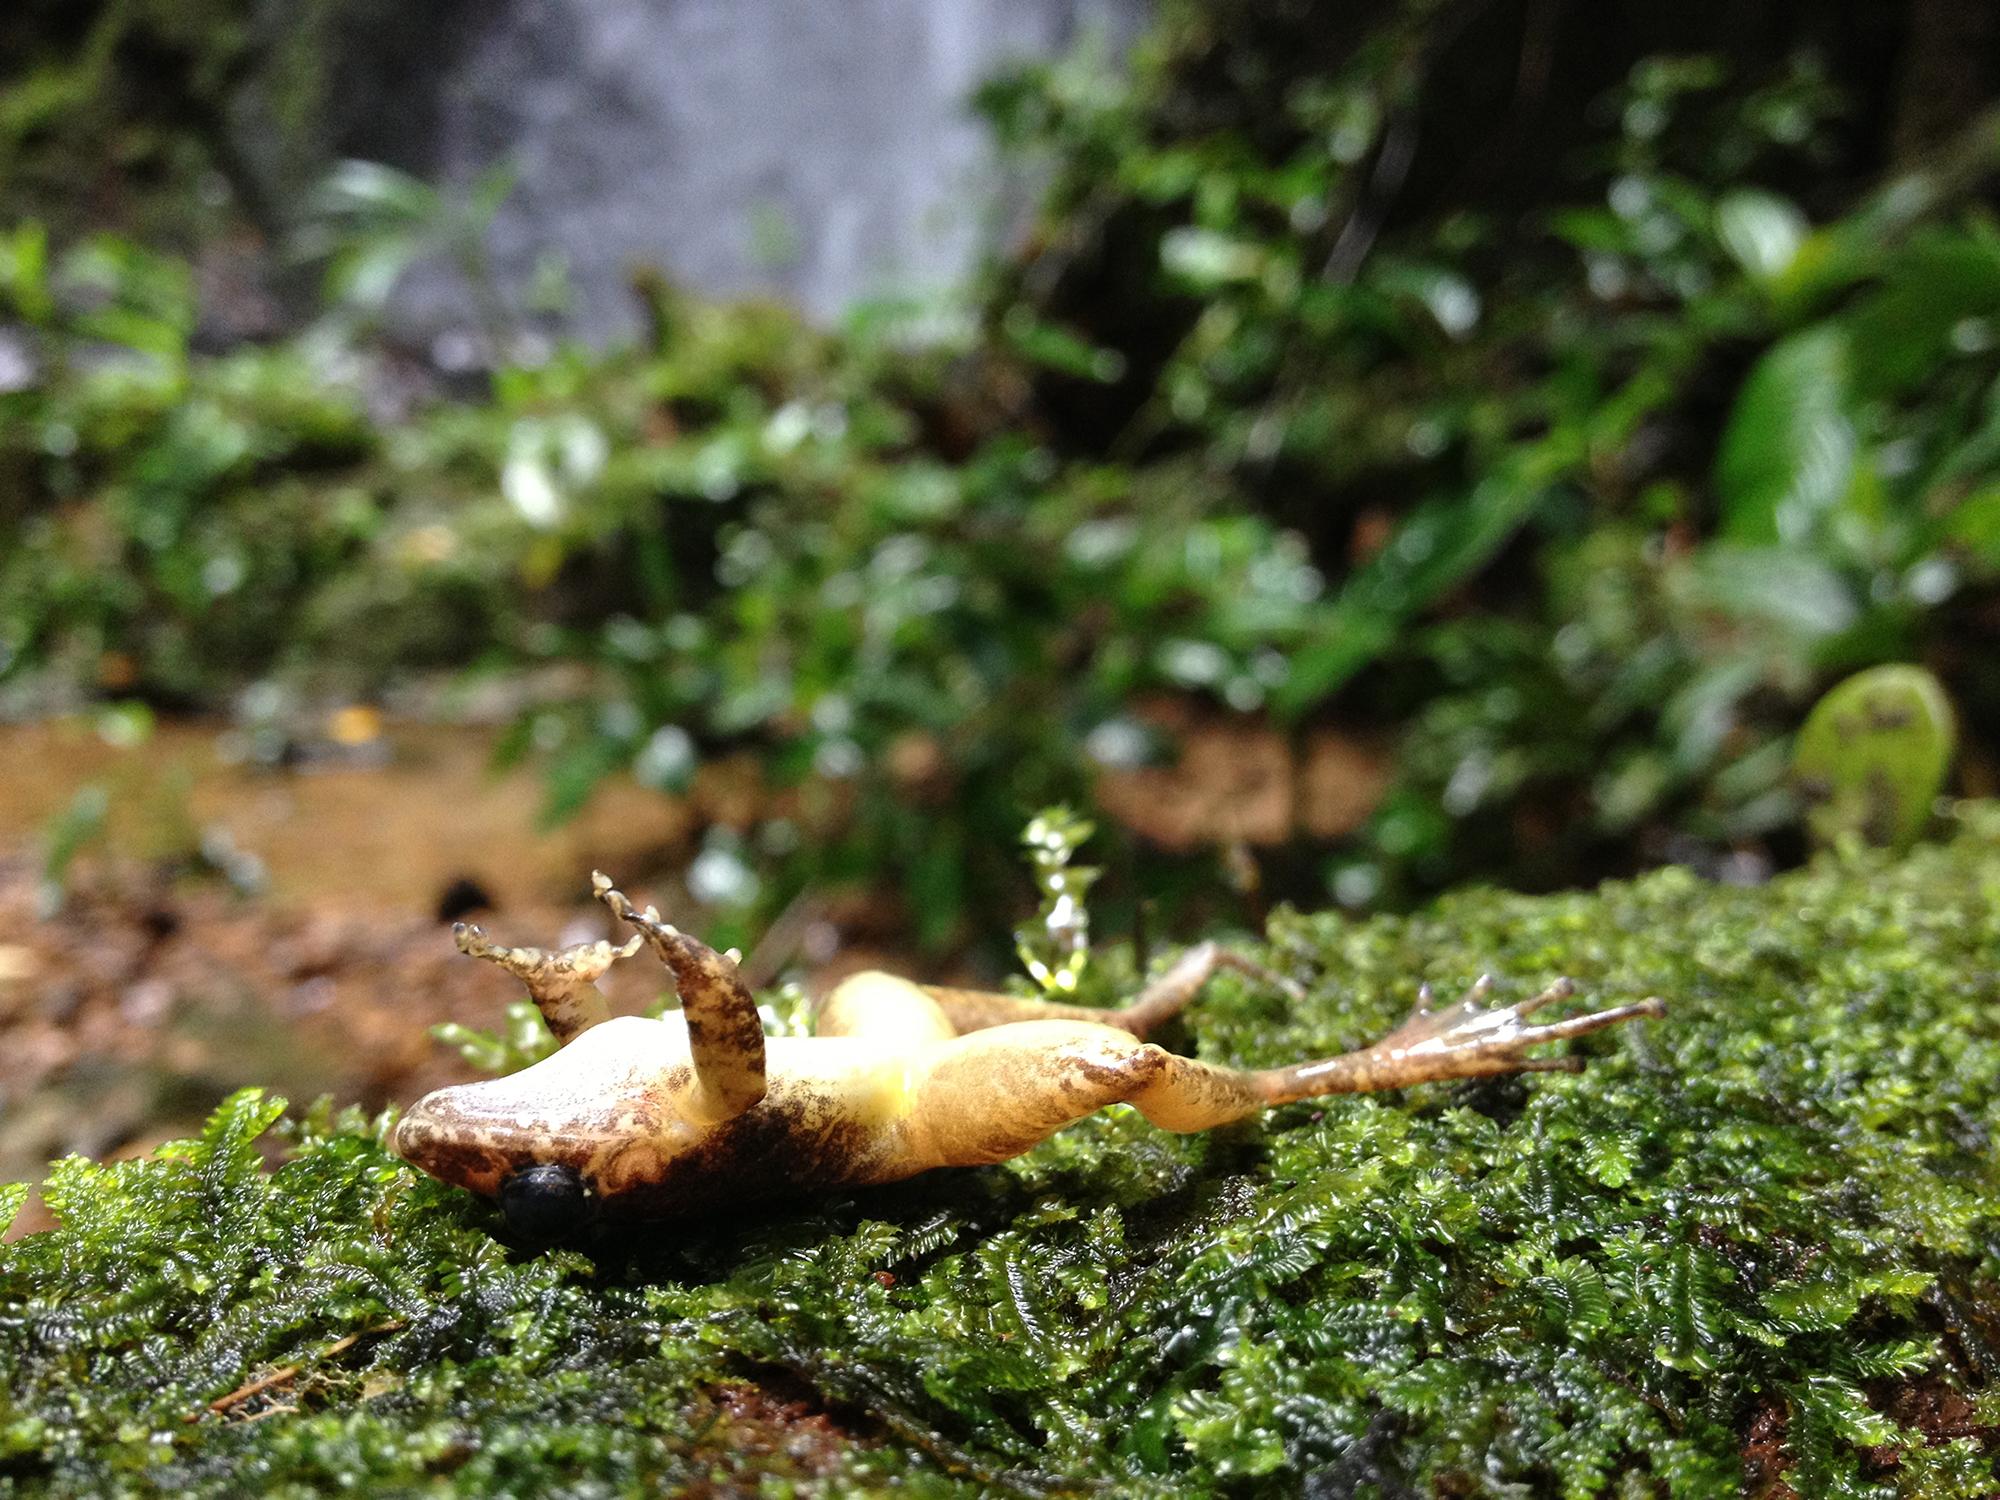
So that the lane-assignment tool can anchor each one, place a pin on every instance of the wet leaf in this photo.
(1943, 287)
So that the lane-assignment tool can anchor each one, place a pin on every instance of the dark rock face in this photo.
(818, 150)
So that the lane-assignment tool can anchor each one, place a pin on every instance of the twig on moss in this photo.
(285, 1374)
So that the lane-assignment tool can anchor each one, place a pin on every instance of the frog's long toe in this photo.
(1470, 1039)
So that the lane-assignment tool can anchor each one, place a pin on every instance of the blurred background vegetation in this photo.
(1480, 430)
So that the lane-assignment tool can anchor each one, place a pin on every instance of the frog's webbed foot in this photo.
(1468, 1039)
(562, 983)
(1465, 1040)
(725, 1033)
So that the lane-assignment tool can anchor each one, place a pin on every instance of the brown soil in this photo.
(1926, 1405)
(1766, 1456)
(762, 1431)
(1236, 780)
(381, 823)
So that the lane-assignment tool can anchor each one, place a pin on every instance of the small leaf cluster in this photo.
(1056, 949)
(1773, 1212)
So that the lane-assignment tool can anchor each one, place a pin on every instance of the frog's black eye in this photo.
(544, 1203)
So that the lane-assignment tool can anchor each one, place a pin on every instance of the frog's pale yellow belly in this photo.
(833, 1117)
(621, 1107)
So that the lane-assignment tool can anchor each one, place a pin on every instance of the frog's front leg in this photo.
(725, 1033)
(563, 983)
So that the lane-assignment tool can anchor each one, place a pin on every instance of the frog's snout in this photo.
(437, 1137)
(412, 1134)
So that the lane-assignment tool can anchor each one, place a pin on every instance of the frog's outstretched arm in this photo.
(563, 984)
(725, 1033)
(993, 1094)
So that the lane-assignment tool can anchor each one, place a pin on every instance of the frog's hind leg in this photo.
(1465, 1040)
(1169, 994)
(725, 1033)
(1160, 1000)
(995, 1093)
(999, 1091)
(563, 983)
(882, 1007)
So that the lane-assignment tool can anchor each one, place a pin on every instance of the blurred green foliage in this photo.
(1605, 496)
(118, 103)
(1576, 506)
(1751, 1243)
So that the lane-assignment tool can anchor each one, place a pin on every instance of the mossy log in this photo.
(1753, 1247)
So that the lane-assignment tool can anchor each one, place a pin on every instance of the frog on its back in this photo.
(652, 1119)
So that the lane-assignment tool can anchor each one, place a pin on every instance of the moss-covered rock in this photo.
(1752, 1245)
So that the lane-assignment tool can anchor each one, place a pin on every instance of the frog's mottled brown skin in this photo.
(698, 1110)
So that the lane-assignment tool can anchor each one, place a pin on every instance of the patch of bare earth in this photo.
(760, 1432)
(1926, 1405)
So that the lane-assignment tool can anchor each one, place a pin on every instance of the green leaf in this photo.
(1207, 259)
(1974, 524)
(576, 771)
(1439, 546)
(1903, 332)
(13, 1198)
(1056, 348)
(1788, 454)
(24, 272)
(76, 828)
(1816, 1307)
(1785, 588)
(1611, 1157)
(525, 1040)
(1873, 754)
(1575, 1296)
(375, 193)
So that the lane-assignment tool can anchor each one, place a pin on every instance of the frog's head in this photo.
(551, 1142)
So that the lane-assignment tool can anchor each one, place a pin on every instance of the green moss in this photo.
(1758, 1226)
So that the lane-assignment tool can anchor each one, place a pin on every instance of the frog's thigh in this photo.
(1164, 997)
(880, 1006)
(995, 1093)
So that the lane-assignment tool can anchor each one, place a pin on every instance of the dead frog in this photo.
(651, 1119)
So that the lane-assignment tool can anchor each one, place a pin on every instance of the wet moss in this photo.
(1754, 1243)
